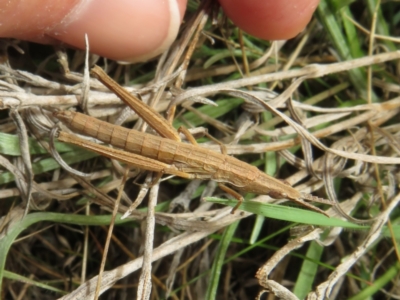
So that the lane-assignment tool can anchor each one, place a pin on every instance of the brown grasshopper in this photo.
(166, 154)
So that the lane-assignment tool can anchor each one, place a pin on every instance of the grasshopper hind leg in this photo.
(233, 193)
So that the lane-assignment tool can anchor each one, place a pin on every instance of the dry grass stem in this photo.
(320, 111)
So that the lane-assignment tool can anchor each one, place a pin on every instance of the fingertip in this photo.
(122, 29)
(270, 20)
(29, 19)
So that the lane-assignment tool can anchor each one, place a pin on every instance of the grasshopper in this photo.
(166, 153)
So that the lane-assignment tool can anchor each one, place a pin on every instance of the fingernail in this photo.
(129, 30)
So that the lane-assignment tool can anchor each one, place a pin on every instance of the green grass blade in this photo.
(308, 271)
(382, 24)
(219, 260)
(334, 27)
(17, 277)
(18, 226)
(49, 164)
(287, 213)
(224, 106)
(9, 145)
(391, 274)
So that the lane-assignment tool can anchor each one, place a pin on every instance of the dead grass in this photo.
(320, 111)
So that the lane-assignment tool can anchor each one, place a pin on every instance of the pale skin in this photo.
(136, 30)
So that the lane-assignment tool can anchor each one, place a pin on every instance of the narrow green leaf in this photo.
(308, 270)
(18, 226)
(49, 164)
(219, 260)
(287, 213)
(9, 145)
(224, 106)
